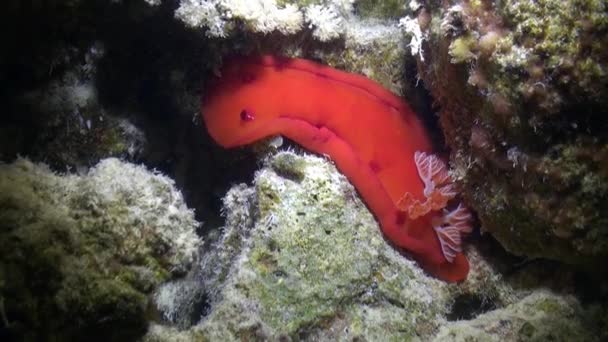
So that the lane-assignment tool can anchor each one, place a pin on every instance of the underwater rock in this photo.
(307, 255)
(67, 126)
(541, 316)
(302, 258)
(325, 19)
(356, 36)
(521, 87)
(79, 254)
(374, 49)
(382, 9)
(54, 109)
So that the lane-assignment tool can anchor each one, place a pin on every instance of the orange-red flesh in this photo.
(370, 133)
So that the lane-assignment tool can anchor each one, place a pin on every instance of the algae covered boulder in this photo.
(521, 88)
(79, 254)
(301, 258)
(313, 257)
(540, 316)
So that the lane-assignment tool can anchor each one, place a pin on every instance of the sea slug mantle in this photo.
(373, 136)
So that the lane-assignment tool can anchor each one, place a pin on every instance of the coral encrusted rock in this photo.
(301, 258)
(521, 89)
(79, 254)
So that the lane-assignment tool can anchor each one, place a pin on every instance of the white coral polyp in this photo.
(326, 22)
(202, 13)
(411, 27)
(264, 15)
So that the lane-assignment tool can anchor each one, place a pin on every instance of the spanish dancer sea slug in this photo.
(373, 136)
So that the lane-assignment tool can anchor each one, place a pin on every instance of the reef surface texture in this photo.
(81, 253)
(521, 89)
(302, 258)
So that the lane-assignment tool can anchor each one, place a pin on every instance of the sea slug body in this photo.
(373, 136)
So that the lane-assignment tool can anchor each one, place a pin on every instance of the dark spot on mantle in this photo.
(374, 166)
(400, 218)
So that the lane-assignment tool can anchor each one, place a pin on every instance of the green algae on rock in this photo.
(382, 9)
(313, 254)
(301, 264)
(80, 253)
(541, 316)
(301, 258)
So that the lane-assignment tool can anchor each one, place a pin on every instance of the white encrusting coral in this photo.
(326, 18)
(264, 15)
(202, 13)
(411, 27)
(327, 21)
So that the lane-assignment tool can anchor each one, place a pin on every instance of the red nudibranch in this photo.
(373, 136)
